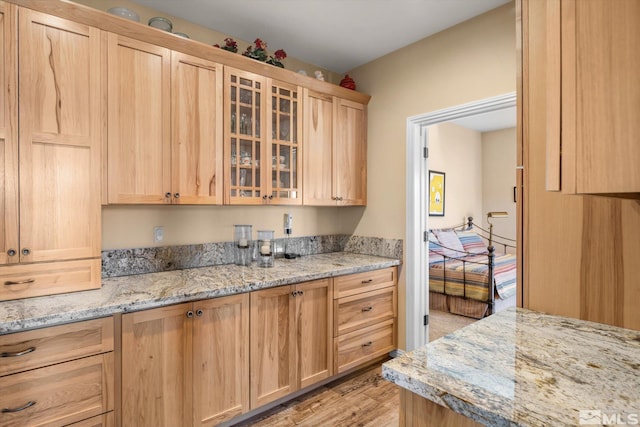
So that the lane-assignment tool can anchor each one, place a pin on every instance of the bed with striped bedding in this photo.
(459, 273)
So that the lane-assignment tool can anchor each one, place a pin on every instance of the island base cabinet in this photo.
(416, 411)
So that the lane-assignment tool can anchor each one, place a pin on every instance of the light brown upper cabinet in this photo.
(335, 150)
(262, 140)
(592, 97)
(165, 126)
(51, 161)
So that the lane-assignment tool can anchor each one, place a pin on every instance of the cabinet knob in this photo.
(365, 309)
(21, 408)
(339, 199)
(199, 312)
(190, 314)
(271, 197)
(176, 195)
(11, 252)
(167, 195)
(18, 353)
(264, 197)
(26, 251)
(367, 344)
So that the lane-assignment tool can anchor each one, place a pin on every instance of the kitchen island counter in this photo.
(523, 368)
(144, 291)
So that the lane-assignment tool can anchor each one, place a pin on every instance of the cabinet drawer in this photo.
(42, 347)
(359, 347)
(61, 394)
(104, 420)
(33, 280)
(363, 309)
(353, 284)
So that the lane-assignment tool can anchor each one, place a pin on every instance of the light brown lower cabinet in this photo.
(365, 313)
(57, 376)
(291, 339)
(104, 420)
(186, 364)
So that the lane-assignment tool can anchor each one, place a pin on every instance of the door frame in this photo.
(417, 296)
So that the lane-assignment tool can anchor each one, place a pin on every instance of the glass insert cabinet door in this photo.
(244, 138)
(285, 138)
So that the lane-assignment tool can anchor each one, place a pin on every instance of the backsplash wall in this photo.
(125, 262)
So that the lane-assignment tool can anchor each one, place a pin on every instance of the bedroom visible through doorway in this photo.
(474, 177)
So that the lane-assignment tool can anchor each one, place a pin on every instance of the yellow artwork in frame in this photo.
(436, 193)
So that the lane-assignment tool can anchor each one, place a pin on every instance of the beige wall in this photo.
(471, 61)
(457, 151)
(132, 226)
(498, 180)
(205, 35)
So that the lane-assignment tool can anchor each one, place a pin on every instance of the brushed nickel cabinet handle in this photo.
(189, 314)
(167, 195)
(367, 344)
(12, 252)
(367, 308)
(22, 408)
(19, 282)
(199, 312)
(26, 251)
(176, 195)
(18, 353)
(364, 282)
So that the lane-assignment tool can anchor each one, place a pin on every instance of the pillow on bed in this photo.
(471, 242)
(449, 239)
(433, 243)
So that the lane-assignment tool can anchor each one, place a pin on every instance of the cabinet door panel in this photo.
(139, 169)
(156, 348)
(314, 316)
(221, 359)
(350, 153)
(8, 135)
(197, 130)
(607, 95)
(317, 154)
(60, 113)
(273, 361)
(245, 148)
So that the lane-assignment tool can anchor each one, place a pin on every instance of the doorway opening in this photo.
(417, 219)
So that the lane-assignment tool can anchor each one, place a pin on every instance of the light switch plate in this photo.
(158, 234)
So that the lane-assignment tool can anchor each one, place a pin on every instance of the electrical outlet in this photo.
(158, 234)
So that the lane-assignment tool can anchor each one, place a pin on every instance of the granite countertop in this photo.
(523, 368)
(144, 291)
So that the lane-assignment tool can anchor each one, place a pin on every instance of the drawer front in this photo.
(345, 286)
(358, 311)
(60, 394)
(50, 278)
(359, 347)
(46, 346)
(104, 420)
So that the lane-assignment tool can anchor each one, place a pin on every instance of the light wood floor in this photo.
(362, 399)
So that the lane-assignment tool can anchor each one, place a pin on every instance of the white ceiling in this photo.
(486, 122)
(338, 35)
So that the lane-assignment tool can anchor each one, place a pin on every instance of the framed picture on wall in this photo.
(436, 193)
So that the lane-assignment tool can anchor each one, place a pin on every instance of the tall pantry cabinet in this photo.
(50, 218)
(578, 115)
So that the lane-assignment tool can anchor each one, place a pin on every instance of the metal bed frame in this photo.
(469, 225)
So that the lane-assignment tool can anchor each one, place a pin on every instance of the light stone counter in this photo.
(144, 291)
(524, 368)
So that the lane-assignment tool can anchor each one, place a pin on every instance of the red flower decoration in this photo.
(280, 54)
(260, 44)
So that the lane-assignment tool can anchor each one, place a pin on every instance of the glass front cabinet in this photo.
(262, 140)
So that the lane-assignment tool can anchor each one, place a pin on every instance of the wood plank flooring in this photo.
(362, 399)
